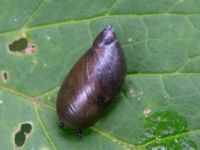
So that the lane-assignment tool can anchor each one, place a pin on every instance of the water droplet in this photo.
(44, 148)
(131, 90)
(176, 140)
(47, 37)
(141, 93)
(130, 40)
(146, 112)
(1, 102)
(166, 96)
(114, 140)
(132, 93)
(45, 65)
(172, 144)
(159, 148)
(49, 97)
(15, 19)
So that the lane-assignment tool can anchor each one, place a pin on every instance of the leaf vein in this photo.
(33, 13)
(85, 20)
(43, 128)
(111, 6)
(164, 87)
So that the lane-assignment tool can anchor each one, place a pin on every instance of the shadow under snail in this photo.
(92, 83)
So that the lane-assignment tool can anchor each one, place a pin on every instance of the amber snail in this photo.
(92, 83)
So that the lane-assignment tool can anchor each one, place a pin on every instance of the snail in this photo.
(92, 83)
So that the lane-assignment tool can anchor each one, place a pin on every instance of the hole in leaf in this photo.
(20, 136)
(26, 128)
(20, 139)
(22, 46)
(5, 75)
(18, 45)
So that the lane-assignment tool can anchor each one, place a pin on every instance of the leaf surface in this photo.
(158, 107)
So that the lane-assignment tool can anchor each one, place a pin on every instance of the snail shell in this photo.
(92, 83)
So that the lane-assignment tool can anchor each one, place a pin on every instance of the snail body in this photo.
(92, 83)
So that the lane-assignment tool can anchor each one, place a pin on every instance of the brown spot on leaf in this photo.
(22, 46)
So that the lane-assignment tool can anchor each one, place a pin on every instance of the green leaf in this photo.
(158, 107)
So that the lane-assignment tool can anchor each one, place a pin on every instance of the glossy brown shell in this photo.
(92, 83)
